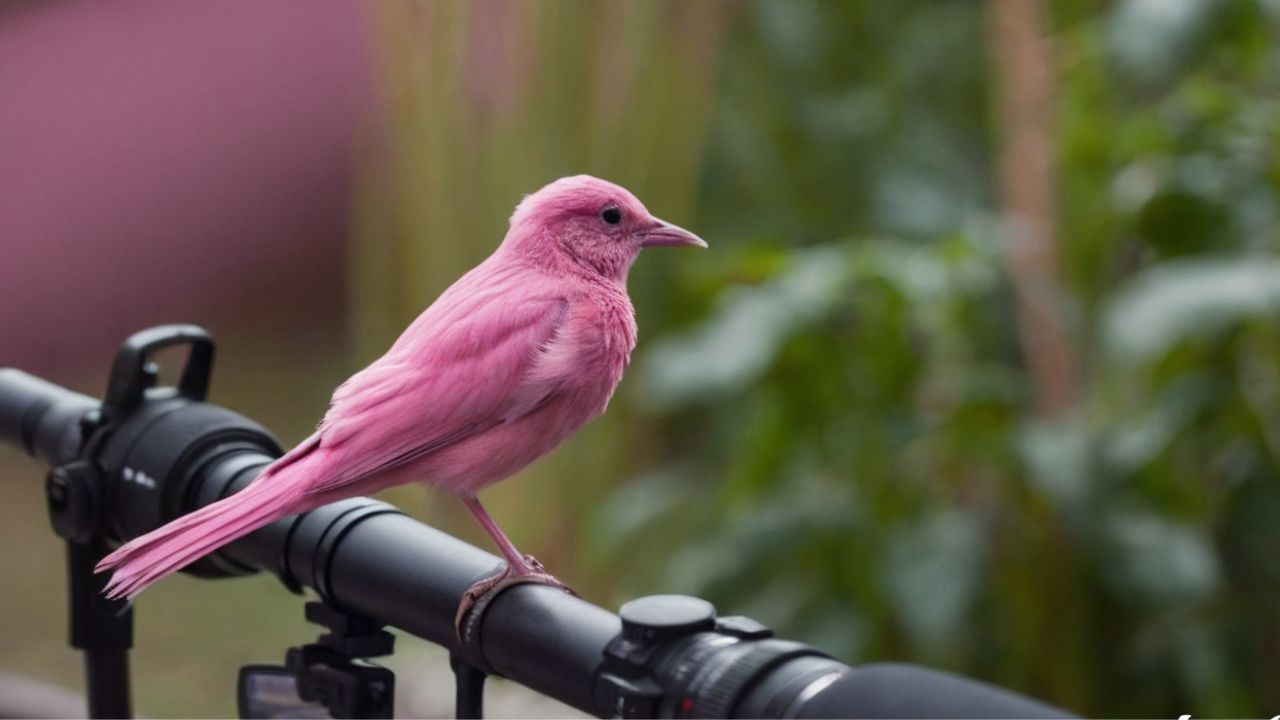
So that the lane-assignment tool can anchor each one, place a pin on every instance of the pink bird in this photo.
(506, 364)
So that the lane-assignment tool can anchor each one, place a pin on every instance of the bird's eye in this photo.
(611, 214)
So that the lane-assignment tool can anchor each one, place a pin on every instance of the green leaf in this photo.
(744, 334)
(1181, 300)
(635, 505)
(1057, 452)
(1159, 562)
(932, 572)
(1138, 439)
(1151, 40)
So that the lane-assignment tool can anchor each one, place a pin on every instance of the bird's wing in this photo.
(465, 376)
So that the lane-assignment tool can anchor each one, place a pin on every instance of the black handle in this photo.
(131, 373)
(40, 418)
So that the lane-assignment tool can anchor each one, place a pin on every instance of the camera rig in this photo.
(147, 454)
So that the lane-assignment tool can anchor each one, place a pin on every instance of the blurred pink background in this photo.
(172, 162)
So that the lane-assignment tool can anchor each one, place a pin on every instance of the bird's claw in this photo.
(478, 596)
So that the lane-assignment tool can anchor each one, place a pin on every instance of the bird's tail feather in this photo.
(147, 558)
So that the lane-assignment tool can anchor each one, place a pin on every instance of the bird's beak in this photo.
(663, 234)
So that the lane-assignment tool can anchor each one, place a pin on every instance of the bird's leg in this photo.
(516, 563)
(520, 569)
(524, 568)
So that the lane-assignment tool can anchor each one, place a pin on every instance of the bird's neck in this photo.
(554, 259)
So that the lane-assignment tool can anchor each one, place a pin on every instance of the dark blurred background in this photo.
(982, 370)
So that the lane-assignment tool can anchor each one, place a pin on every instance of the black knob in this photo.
(72, 495)
(661, 617)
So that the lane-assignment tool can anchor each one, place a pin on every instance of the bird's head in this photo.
(592, 224)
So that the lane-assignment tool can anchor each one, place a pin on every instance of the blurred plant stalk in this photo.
(1023, 64)
(488, 100)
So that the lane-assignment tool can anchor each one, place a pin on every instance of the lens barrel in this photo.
(896, 690)
(156, 460)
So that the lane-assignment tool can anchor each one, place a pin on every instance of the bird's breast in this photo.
(591, 353)
(610, 337)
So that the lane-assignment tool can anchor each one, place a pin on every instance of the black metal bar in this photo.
(366, 557)
(103, 629)
(468, 689)
(107, 683)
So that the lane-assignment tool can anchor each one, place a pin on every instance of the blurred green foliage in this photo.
(829, 424)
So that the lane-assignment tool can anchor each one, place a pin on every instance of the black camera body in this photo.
(145, 455)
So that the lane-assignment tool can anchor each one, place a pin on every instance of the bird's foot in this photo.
(478, 596)
(532, 565)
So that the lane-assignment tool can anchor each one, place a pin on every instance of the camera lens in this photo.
(707, 674)
(156, 461)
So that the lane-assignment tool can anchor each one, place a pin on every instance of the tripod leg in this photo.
(469, 682)
(103, 629)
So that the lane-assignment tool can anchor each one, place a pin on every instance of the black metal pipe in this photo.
(366, 557)
(40, 417)
(107, 683)
(102, 629)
